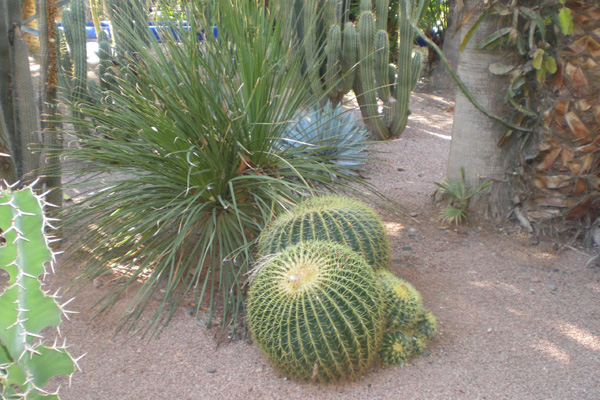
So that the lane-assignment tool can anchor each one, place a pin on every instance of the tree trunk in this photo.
(474, 136)
(440, 78)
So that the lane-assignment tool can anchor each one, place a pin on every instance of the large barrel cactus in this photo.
(403, 303)
(316, 311)
(334, 218)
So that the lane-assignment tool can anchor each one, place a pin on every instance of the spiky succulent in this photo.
(398, 347)
(425, 327)
(316, 311)
(337, 133)
(403, 303)
(335, 218)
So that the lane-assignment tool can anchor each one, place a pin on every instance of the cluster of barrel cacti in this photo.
(409, 325)
(26, 310)
(323, 304)
(341, 56)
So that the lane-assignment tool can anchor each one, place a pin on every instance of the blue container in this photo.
(157, 29)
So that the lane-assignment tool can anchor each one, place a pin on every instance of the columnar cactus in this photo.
(335, 218)
(393, 86)
(338, 60)
(25, 308)
(316, 311)
(74, 24)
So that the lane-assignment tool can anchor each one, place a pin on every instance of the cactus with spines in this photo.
(26, 364)
(334, 218)
(425, 326)
(398, 347)
(104, 61)
(315, 310)
(361, 61)
(74, 25)
(392, 87)
(409, 326)
(403, 303)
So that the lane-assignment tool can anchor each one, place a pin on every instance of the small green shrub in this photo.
(459, 195)
(316, 311)
(335, 218)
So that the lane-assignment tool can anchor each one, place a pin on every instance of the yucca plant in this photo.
(184, 151)
(333, 132)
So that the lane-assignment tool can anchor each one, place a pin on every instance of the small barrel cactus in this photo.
(316, 311)
(398, 347)
(425, 326)
(403, 303)
(333, 218)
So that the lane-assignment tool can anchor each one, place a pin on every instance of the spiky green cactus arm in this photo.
(335, 218)
(349, 56)
(25, 309)
(333, 63)
(9, 135)
(404, 82)
(415, 68)
(310, 45)
(382, 57)
(8, 168)
(27, 159)
(382, 9)
(316, 312)
(104, 58)
(404, 304)
(74, 22)
(364, 86)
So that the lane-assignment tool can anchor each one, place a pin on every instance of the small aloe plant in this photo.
(26, 364)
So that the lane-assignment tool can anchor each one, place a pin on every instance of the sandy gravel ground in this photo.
(517, 320)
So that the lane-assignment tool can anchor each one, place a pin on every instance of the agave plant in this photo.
(185, 151)
(329, 131)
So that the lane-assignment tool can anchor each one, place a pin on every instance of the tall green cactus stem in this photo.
(316, 312)
(25, 308)
(405, 74)
(349, 57)
(312, 32)
(333, 51)
(74, 23)
(364, 86)
(28, 161)
(393, 92)
(382, 57)
(8, 134)
(403, 303)
(104, 60)
(334, 218)
(382, 8)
